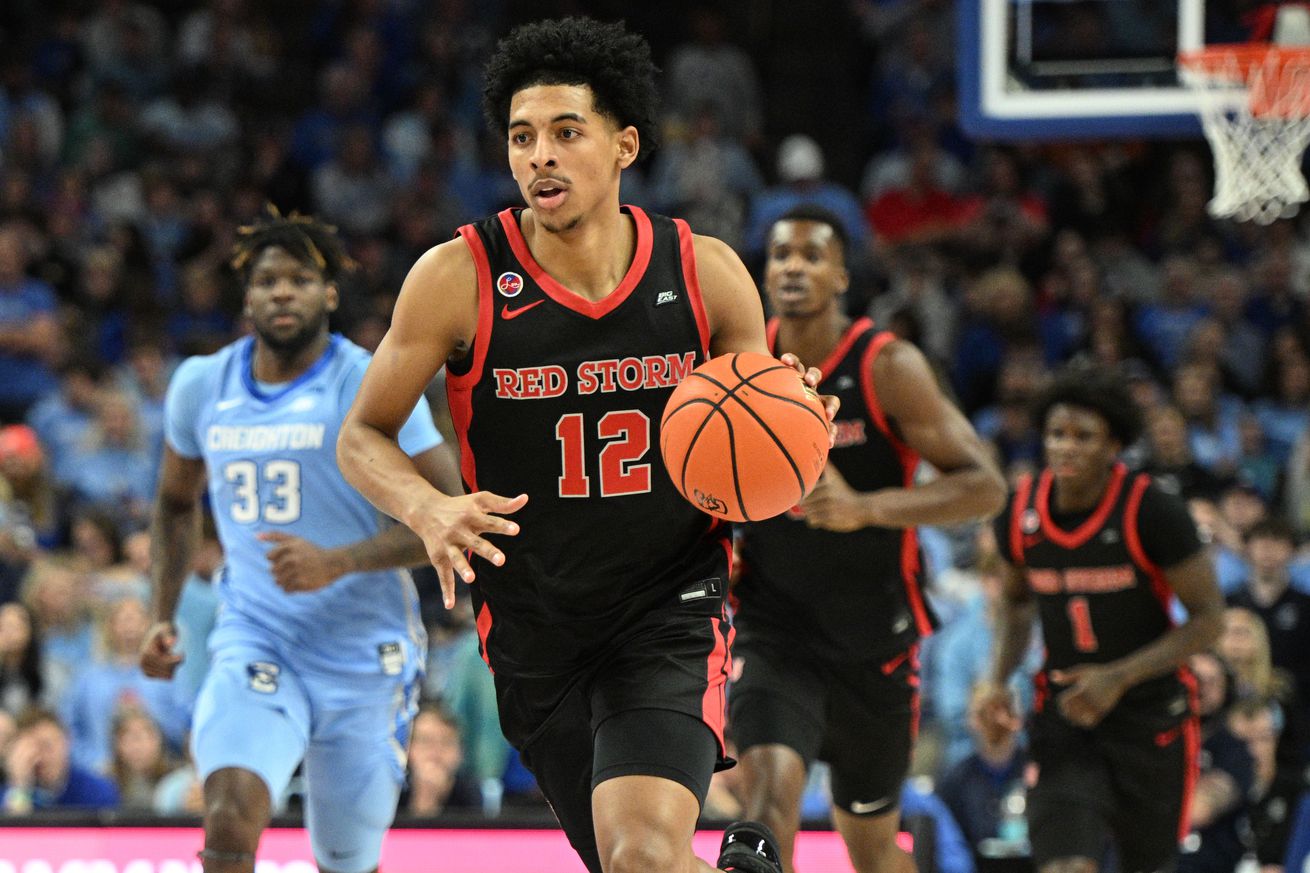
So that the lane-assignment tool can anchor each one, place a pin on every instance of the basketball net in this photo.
(1255, 110)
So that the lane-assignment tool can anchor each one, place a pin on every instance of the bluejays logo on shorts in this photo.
(509, 284)
(263, 676)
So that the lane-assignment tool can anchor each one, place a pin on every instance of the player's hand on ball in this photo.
(158, 660)
(299, 565)
(812, 377)
(451, 526)
(1093, 691)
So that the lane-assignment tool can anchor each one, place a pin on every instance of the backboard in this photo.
(1075, 69)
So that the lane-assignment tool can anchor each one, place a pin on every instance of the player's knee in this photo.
(236, 810)
(645, 854)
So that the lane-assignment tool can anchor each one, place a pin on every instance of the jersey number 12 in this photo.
(627, 436)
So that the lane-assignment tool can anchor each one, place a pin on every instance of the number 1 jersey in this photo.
(560, 398)
(270, 458)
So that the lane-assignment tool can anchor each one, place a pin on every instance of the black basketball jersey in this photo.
(560, 398)
(1099, 596)
(845, 595)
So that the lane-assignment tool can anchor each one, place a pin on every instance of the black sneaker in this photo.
(749, 847)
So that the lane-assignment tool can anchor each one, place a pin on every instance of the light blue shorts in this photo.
(255, 714)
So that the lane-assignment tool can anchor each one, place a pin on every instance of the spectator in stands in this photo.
(56, 592)
(711, 70)
(39, 773)
(435, 780)
(1298, 485)
(115, 467)
(801, 180)
(998, 318)
(707, 178)
(200, 325)
(22, 681)
(1169, 457)
(343, 102)
(1275, 789)
(1164, 323)
(1213, 418)
(97, 543)
(1284, 412)
(112, 680)
(1219, 799)
(1244, 646)
(352, 189)
(1268, 593)
(140, 760)
(1005, 218)
(917, 282)
(975, 788)
(29, 334)
(1243, 352)
(62, 418)
(28, 488)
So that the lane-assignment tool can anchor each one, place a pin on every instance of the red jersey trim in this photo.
(459, 387)
(1133, 540)
(909, 463)
(835, 357)
(1020, 506)
(1085, 531)
(1191, 751)
(484, 631)
(718, 667)
(690, 278)
(571, 299)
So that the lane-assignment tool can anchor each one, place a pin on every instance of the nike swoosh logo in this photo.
(228, 404)
(870, 807)
(507, 313)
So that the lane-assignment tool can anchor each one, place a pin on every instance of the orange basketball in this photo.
(743, 438)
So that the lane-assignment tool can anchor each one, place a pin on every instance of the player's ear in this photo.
(629, 145)
(333, 297)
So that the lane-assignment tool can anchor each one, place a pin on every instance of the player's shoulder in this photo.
(445, 263)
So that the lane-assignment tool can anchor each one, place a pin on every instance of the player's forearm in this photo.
(961, 496)
(1198, 633)
(174, 532)
(1014, 627)
(397, 546)
(375, 466)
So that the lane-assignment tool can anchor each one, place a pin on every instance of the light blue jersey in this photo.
(270, 455)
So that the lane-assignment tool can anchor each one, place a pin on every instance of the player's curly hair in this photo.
(1100, 389)
(614, 63)
(304, 237)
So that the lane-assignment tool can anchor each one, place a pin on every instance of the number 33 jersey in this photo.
(561, 398)
(270, 458)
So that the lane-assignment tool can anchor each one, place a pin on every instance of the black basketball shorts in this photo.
(859, 717)
(1128, 779)
(650, 701)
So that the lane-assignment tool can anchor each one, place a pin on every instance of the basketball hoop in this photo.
(1255, 109)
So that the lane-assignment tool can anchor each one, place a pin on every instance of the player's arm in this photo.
(299, 565)
(970, 486)
(174, 533)
(435, 315)
(734, 311)
(1016, 611)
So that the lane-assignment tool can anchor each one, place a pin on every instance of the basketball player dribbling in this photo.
(829, 609)
(564, 327)
(1099, 553)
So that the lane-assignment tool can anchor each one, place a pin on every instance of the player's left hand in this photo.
(833, 504)
(299, 565)
(1093, 691)
(812, 377)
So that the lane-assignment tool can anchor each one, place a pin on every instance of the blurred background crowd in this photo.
(136, 137)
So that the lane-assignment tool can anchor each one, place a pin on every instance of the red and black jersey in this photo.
(1099, 576)
(560, 398)
(845, 595)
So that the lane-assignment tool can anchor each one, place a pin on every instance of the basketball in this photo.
(743, 438)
